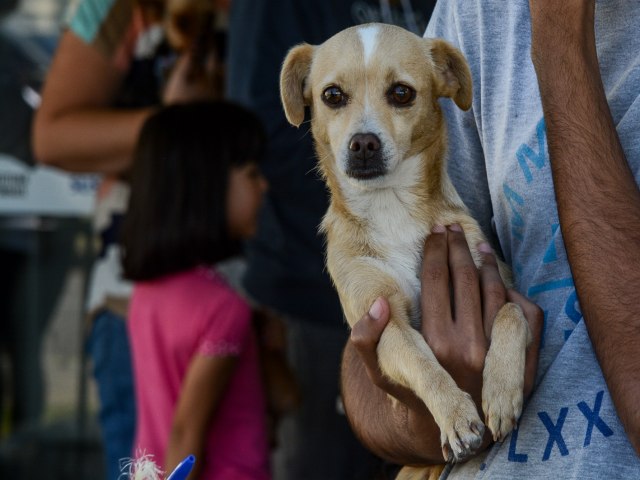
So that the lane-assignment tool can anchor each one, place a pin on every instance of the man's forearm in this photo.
(598, 199)
(393, 432)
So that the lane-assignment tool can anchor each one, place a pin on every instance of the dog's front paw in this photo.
(501, 397)
(462, 430)
(503, 374)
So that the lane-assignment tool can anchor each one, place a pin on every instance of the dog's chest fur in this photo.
(395, 235)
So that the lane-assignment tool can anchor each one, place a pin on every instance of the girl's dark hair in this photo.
(176, 217)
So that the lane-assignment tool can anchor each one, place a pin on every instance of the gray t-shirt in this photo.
(499, 162)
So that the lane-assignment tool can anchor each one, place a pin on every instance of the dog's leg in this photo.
(503, 375)
(405, 358)
(403, 354)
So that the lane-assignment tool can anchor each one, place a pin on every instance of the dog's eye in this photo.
(401, 95)
(334, 97)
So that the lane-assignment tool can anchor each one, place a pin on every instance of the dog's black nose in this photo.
(364, 145)
(365, 156)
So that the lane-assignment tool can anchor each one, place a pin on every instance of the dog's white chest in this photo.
(398, 239)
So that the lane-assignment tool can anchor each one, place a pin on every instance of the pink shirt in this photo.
(171, 320)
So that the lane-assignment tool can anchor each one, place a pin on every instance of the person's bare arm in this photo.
(405, 433)
(75, 127)
(598, 198)
(202, 391)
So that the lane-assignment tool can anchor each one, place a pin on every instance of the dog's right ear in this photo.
(293, 76)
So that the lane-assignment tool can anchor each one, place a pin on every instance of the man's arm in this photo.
(405, 432)
(598, 198)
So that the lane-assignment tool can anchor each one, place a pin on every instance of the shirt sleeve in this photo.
(104, 24)
(228, 328)
(465, 154)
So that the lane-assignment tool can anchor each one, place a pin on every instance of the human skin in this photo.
(77, 129)
(406, 433)
(597, 196)
(244, 197)
(202, 391)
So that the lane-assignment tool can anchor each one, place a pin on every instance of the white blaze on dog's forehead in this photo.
(369, 38)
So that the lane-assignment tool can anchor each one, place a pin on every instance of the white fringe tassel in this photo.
(141, 468)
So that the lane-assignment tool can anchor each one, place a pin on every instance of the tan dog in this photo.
(380, 138)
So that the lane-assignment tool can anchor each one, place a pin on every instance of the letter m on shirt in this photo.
(526, 154)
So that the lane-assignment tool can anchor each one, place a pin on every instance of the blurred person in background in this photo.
(195, 194)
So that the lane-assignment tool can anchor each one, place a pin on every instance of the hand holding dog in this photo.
(459, 303)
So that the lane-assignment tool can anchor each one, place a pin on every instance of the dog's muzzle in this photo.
(365, 157)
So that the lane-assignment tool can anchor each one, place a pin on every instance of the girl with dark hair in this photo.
(195, 194)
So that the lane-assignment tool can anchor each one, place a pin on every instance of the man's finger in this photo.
(493, 290)
(435, 297)
(365, 336)
(465, 280)
(532, 312)
(535, 318)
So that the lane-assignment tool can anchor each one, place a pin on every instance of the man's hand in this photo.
(459, 303)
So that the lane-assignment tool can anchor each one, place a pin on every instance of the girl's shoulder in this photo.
(203, 278)
(198, 297)
(200, 286)
(208, 281)
(228, 314)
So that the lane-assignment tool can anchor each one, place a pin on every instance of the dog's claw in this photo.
(446, 453)
(462, 434)
(478, 429)
(502, 405)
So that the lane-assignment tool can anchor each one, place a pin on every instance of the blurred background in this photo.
(47, 396)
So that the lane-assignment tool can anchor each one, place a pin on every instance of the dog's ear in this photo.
(295, 71)
(453, 77)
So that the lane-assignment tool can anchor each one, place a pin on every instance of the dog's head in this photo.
(373, 93)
